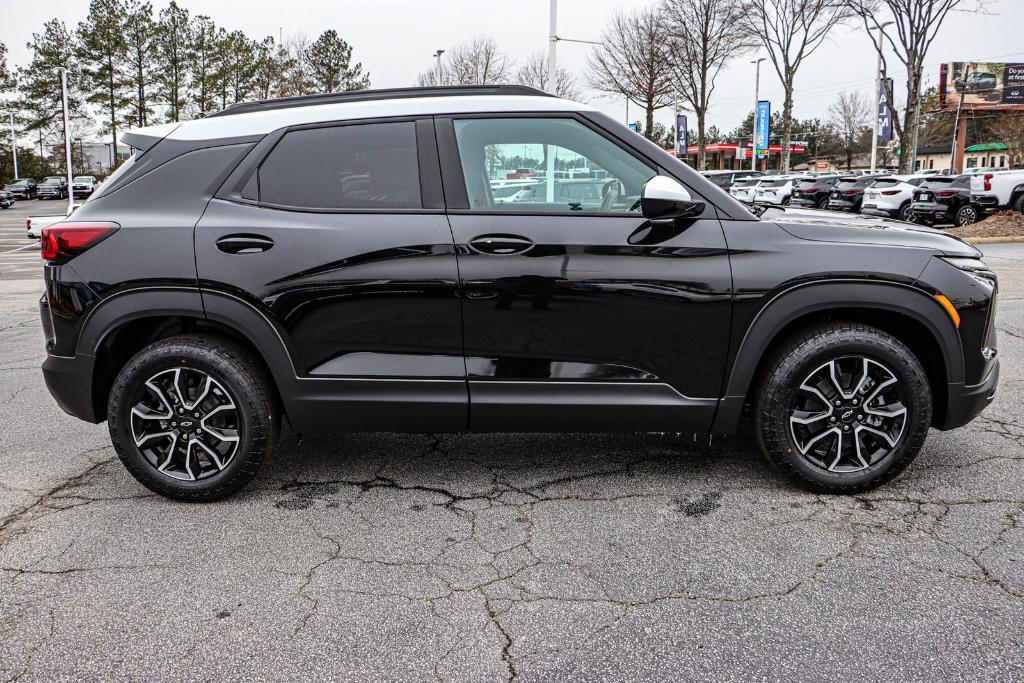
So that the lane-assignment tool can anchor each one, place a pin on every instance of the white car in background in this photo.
(744, 189)
(34, 224)
(775, 191)
(891, 196)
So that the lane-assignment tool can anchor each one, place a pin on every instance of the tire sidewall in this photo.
(963, 213)
(150, 362)
(918, 406)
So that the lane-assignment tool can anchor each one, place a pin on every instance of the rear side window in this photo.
(367, 166)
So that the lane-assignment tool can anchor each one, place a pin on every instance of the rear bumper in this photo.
(842, 205)
(966, 401)
(986, 203)
(873, 210)
(69, 380)
(931, 209)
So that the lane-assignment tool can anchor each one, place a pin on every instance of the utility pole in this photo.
(878, 98)
(14, 146)
(437, 56)
(67, 133)
(757, 98)
(552, 46)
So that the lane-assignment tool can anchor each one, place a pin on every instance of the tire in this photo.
(821, 203)
(181, 457)
(966, 215)
(1018, 203)
(904, 213)
(790, 421)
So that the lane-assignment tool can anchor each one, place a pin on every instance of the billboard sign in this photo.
(681, 141)
(981, 84)
(764, 124)
(635, 127)
(884, 113)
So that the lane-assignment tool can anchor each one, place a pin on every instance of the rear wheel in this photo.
(905, 214)
(192, 418)
(843, 408)
(821, 203)
(966, 215)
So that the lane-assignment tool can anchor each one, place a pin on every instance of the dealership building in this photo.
(728, 156)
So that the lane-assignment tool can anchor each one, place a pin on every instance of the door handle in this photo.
(501, 245)
(244, 244)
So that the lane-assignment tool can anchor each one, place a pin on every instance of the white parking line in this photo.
(18, 249)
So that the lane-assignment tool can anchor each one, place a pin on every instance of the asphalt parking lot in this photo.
(19, 255)
(501, 557)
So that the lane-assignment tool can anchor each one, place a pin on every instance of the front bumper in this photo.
(966, 401)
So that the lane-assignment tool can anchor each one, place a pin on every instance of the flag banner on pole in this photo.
(681, 141)
(884, 117)
(764, 124)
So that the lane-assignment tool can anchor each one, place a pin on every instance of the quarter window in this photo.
(561, 164)
(362, 166)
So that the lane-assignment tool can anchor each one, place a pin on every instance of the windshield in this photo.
(82, 179)
(52, 181)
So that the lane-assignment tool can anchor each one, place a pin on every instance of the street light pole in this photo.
(14, 146)
(878, 97)
(552, 46)
(67, 133)
(757, 98)
(437, 56)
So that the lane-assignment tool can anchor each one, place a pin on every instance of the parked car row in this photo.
(926, 198)
(52, 187)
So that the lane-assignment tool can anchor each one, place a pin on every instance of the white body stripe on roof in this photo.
(263, 122)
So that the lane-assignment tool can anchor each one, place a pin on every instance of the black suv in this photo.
(345, 266)
(813, 192)
(944, 199)
(848, 193)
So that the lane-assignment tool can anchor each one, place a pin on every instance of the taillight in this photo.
(850, 193)
(988, 182)
(890, 193)
(64, 241)
(946, 193)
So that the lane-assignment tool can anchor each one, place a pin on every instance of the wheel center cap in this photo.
(186, 424)
(847, 415)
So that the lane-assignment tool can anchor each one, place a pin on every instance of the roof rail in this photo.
(383, 94)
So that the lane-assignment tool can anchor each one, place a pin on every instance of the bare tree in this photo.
(534, 73)
(702, 37)
(915, 23)
(850, 116)
(478, 61)
(790, 31)
(296, 79)
(631, 61)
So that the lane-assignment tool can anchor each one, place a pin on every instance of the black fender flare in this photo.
(124, 306)
(809, 298)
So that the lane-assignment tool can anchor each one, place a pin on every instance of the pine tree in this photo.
(174, 53)
(329, 60)
(103, 52)
(140, 58)
(206, 44)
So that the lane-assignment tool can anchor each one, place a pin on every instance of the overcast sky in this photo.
(395, 40)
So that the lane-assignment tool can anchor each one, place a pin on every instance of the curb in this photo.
(993, 240)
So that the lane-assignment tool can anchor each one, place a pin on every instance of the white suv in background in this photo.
(745, 189)
(891, 196)
(775, 191)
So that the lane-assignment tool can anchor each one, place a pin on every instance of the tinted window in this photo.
(940, 181)
(723, 180)
(886, 182)
(846, 184)
(371, 166)
(775, 183)
(490, 149)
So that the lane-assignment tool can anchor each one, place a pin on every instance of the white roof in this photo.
(263, 122)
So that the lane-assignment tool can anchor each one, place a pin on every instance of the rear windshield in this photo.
(775, 183)
(887, 182)
(940, 181)
(747, 182)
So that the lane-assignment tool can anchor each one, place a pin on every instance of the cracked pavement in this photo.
(508, 557)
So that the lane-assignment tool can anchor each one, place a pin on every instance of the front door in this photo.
(579, 314)
(341, 242)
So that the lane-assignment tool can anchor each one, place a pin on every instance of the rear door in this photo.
(336, 234)
(580, 316)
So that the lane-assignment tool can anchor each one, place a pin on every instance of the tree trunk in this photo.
(649, 123)
(787, 125)
(113, 113)
(907, 151)
(701, 142)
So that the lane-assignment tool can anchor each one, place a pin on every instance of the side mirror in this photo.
(664, 197)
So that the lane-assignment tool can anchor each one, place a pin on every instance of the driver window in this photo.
(539, 165)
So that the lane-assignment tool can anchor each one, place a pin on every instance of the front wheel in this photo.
(192, 418)
(843, 408)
